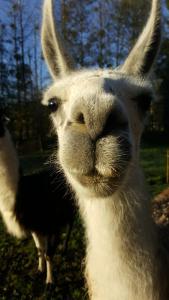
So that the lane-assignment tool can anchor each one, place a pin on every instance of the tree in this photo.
(4, 82)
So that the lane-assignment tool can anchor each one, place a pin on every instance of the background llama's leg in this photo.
(49, 270)
(40, 242)
(52, 242)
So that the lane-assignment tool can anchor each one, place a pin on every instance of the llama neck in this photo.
(9, 177)
(121, 239)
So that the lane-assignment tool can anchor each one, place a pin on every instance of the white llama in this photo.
(39, 204)
(99, 118)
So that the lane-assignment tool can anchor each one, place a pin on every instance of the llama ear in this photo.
(55, 54)
(142, 56)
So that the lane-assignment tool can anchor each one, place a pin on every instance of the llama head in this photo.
(99, 114)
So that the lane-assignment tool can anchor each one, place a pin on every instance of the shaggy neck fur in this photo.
(9, 177)
(121, 239)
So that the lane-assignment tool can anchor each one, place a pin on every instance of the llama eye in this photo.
(53, 104)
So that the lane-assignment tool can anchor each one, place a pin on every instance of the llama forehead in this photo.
(84, 84)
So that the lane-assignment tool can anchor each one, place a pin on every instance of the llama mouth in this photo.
(100, 169)
(99, 184)
(97, 177)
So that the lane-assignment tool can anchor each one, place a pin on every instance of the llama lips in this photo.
(101, 186)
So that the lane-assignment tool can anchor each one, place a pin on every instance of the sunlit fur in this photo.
(9, 176)
(99, 119)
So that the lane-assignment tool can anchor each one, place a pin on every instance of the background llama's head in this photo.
(99, 114)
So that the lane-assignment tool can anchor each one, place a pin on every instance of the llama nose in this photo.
(80, 118)
(97, 125)
(103, 125)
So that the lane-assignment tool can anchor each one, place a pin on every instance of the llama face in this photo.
(98, 126)
(99, 114)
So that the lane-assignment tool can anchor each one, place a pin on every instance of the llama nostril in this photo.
(80, 119)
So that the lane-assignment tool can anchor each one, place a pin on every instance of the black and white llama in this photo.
(39, 204)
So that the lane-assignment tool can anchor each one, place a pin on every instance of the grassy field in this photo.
(153, 161)
(18, 260)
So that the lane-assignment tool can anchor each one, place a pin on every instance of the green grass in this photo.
(18, 269)
(153, 161)
(18, 259)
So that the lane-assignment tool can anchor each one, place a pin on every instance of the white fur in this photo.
(9, 170)
(133, 65)
(120, 250)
